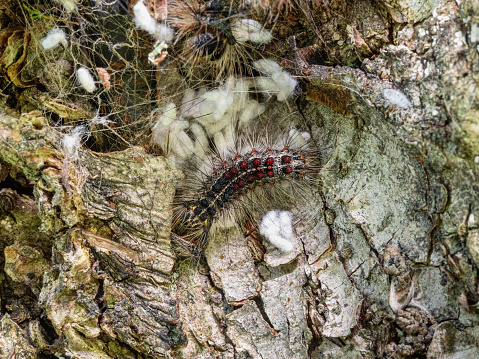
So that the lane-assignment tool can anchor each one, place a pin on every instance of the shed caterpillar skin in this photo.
(211, 35)
(237, 187)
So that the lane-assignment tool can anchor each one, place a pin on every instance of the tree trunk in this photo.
(386, 255)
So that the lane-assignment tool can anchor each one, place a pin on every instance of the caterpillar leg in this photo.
(187, 249)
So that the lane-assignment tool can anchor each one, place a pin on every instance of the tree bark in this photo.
(386, 257)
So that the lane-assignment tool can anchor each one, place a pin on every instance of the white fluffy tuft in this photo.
(163, 129)
(164, 33)
(170, 133)
(267, 66)
(298, 139)
(142, 18)
(277, 82)
(219, 107)
(216, 103)
(144, 21)
(71, 142)
(221, 144)
(86, 79)
(277, 228)
(201, 141)
(250, 30)
(168, 115)
(190, 104)
(251, 110)
(306, 135)
(396, 98)
(55, 37)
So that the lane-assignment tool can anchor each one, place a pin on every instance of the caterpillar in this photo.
(240, 186)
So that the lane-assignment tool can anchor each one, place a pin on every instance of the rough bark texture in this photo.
(386, 265)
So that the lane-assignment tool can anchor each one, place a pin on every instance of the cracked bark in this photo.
(386, 265)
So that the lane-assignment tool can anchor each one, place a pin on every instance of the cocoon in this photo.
(71, 141)
(86, 79)
(144, 21)
(277, 81)
(55, 37)
(396, 98)
(250, 30)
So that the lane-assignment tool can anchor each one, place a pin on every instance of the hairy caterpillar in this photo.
(238, 186)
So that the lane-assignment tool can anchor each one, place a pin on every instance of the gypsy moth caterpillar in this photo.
(244, 188)
(237, 181)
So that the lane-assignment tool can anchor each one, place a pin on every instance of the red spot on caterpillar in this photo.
(227, 175)
(269, 161)
(287, 170)
(286, 159)
(259, 175)
(285, 149)
(270, 173)
(268, 150)
(253, 151)
(241, 183)
(257, 162)
(235, 186)
(243, 165)
(233, 170)
(250, 178)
